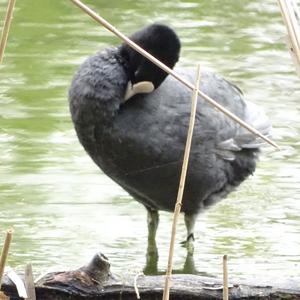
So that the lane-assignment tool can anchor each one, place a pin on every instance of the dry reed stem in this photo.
(29, 283)
(225, 278)
(6, 27)
(136, 47)
(4, 252)
(292, 25)
(188, 145)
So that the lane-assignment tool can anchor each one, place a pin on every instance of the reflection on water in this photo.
(64, 210)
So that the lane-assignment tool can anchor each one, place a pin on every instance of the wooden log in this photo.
(95, 281)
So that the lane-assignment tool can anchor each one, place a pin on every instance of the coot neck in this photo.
(96, 93)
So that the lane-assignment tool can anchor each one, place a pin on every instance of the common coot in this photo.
(137, 137)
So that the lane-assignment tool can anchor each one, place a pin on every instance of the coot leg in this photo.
(153, 220)
(190, 220)
(152, 252)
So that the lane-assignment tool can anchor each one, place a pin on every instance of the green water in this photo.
(63, 209)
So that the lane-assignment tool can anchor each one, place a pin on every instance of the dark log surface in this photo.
(95, 281)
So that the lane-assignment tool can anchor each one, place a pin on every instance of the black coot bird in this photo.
(132, 119)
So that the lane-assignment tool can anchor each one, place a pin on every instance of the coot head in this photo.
(160, 41)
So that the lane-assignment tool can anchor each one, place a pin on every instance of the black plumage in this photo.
(139, 143)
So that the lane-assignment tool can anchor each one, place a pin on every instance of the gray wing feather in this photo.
(256, 117)
(244, 139)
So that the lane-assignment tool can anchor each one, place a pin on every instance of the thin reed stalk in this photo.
(29, 283)
(289, 12)
(6, 27)
(178, 205)
(136, 47)
(225, 278)
(4, 253)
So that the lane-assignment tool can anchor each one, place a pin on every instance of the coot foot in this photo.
(190, 220)
(189, 244)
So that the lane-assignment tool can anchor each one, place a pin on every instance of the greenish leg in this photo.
(153, 220)
(152, 253)
(190, 221)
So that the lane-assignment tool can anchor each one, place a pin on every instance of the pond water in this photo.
(63, 209)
